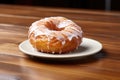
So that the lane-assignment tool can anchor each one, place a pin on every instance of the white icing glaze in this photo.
(69, 35)
(64, 23)
(70, 30)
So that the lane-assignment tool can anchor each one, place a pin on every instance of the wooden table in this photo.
(98, 25)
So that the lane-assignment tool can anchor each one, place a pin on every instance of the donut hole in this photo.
(52, 26)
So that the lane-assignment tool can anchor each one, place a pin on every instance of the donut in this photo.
(55, 35)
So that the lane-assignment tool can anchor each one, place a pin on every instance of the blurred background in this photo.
(108, 5)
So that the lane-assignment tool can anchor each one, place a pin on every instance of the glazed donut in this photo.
(55, 35)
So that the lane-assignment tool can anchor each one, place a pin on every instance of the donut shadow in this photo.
(80, 49)
(75, 60)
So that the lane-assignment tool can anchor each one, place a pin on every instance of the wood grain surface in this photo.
(98, 25)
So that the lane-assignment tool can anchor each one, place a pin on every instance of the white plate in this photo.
(87, 47)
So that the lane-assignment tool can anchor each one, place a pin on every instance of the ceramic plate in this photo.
(87, 47)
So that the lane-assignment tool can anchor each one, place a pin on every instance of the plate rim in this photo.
(52, 56)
